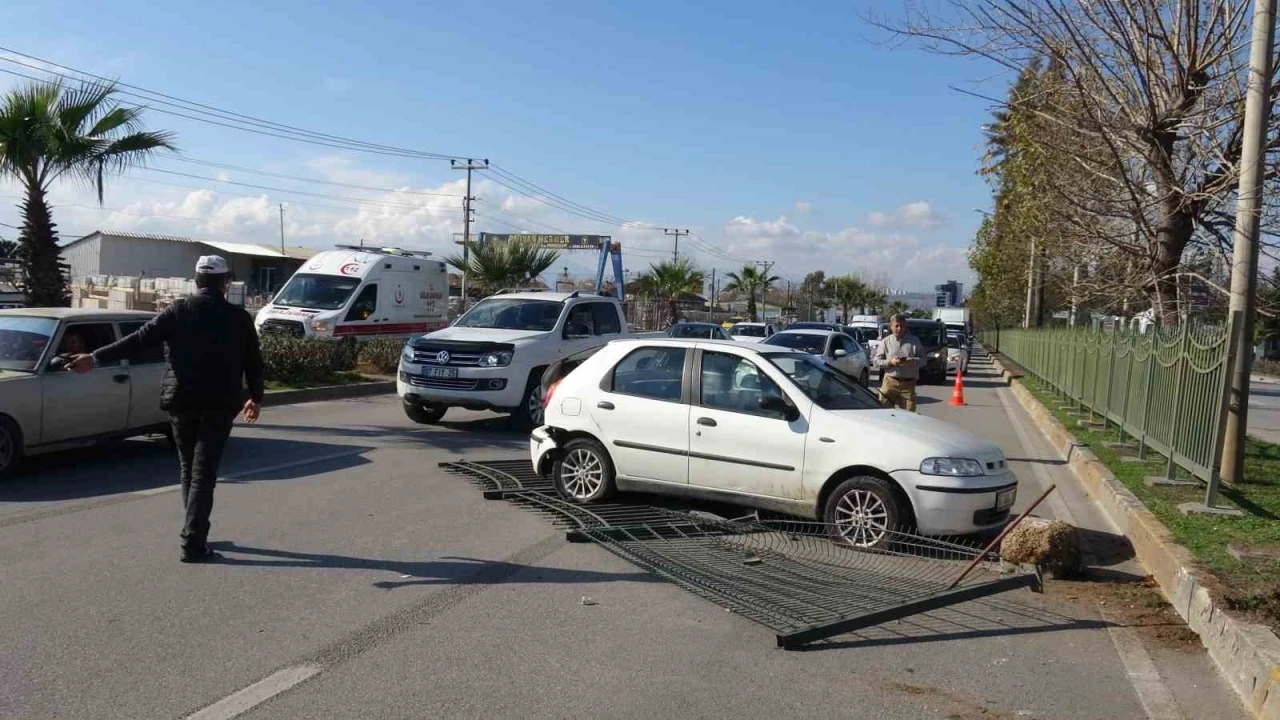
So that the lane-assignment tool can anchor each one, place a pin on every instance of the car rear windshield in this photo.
(800, 341)
(810, 326)
(317, 292)
(932, 334)
(827, 388)
(748, 331)
(513, 314)
(23, 340)
(693, 331)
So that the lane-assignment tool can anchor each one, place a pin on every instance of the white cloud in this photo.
(917, 215)
(803, 208)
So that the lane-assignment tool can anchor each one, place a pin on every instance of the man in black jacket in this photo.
(212, 350)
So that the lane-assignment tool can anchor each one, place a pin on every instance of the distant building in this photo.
(948, 294)
(262, 268)
(913, 300)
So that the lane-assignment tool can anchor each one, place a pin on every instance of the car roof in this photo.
(752, 324)
(682, 323)
(76, 313)
(808, 331)
(551, 296)
(695, 342)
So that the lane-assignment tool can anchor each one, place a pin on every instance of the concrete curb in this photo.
(1248, 654)
(331, 392)
(1265, 379)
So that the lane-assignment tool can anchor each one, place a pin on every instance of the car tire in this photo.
(424, 414)
(530, 413)
(583, 472)
(10, 447)
(873, 500)
(865, 379)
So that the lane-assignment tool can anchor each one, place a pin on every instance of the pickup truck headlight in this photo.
(496, 359)
(407, 353)
(951, 467)
(322, 326)
(935, 355)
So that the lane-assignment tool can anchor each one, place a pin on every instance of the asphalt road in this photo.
(359, 581)
(1264, 411)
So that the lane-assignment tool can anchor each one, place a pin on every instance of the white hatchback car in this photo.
(767, 427)
(44, 407)
(836, 349)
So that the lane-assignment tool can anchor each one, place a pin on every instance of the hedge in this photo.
(304, 361)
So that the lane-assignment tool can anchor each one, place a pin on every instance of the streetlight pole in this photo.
(469, 166)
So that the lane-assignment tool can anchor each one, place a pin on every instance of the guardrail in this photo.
(1166, 389)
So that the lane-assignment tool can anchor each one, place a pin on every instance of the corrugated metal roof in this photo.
(232, 248)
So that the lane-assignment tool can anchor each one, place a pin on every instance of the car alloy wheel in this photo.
(861, 518)
(534, 405)
(582, 474)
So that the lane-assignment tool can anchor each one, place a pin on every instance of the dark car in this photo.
(933, 341)
(705, 331)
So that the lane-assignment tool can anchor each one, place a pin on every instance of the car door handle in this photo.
(706, 421)
(120, 378)
(604, 405)
(826, 439)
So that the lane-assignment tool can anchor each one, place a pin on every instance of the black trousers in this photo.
(200, 436)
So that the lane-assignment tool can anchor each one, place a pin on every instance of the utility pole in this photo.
(1028, 317)
(764, 265)
(713, 289)
(469, 166)
(1244, 254)
(675, 251)
(281, 228)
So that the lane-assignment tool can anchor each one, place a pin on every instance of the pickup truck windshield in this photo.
(317, 292)
(23, 340)
(827, 388)
(512, 314)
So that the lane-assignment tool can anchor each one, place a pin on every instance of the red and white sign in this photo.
(350, 269)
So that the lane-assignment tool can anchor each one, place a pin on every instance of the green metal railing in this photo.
(1164, 390)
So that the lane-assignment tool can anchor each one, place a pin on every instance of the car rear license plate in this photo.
(442, 373)
(1004, 498)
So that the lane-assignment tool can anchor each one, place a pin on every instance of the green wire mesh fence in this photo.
(1163, 390)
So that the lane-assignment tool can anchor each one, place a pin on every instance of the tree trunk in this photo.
(1172, 235)
(751, 306)
(38, 252)
(674, 311)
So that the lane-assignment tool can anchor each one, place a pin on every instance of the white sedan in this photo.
(44, 407)
(835, 348)
(751, 332)
(765, 427)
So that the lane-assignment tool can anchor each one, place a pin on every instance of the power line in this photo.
(301, 178)
(366, 201)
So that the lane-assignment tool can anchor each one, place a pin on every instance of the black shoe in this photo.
(198, 555)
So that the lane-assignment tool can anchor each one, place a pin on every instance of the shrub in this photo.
(299, 361)
(380, 356)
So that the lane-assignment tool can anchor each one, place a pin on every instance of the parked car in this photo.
(704, 331)
(45, 408)
(494, 356)
(807, 325)
(834, 348)
(957, 353)
(765, 427)
(751, 332)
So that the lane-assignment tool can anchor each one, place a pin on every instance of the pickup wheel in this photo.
(583, 472)
(10, 447)
(424, 414)
(530, 413)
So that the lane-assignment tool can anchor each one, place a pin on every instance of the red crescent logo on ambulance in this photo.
(399, 296)
(350, 269)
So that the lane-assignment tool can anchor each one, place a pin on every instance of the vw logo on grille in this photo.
(442, 357)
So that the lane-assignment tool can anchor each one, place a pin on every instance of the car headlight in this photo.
(322, 326)
(935, 355)
(951, 467)
(496, 359)
(407, 353)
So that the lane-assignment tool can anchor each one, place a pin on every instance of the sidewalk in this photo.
(1169, 681)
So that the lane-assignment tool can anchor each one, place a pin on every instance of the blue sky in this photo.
(794, 133)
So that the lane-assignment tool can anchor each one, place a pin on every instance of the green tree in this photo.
(849, 291)
(897, 307)
(8, 249)
(48, 131)
(750, 281)
(493, 266)
(669, 280)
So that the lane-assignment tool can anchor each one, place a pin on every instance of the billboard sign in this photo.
(551, 242)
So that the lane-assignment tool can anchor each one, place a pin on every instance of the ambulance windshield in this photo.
(317, 292)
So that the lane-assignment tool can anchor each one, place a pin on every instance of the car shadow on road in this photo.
(141, 464)
(447, 570)
(487, 433)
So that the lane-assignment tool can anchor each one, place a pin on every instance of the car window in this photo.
(749, 331)
(735, 383)
(693, 331)
(23, 339)
(606, 319)
(80, 338)
(501, 313)
(847, 345)
(827, 388)
(581, 315)
(366, 303)
(148, 357)
(807, 342)
(652, 372)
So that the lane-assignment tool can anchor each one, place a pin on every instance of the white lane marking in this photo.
(1056, 503)
(1143, 675)
(244, 700)
(257, 471)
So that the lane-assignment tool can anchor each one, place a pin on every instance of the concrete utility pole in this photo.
(469, 166)
(281, 228)
(764, 265)
(675, 251)
(713, 289)
(1244, 255)
(1029, 316)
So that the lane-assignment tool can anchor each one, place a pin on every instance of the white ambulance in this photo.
(361, 293)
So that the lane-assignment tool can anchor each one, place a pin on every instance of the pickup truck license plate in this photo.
(442, 373)
(1004, 498)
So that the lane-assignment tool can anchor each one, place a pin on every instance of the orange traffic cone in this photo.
(957, 392)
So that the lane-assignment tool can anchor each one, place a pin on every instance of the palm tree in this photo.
(670, 279)
(496, 265)
(897, 308)
(47, 131)
(750, 281)
(848, 291)
(8, 249)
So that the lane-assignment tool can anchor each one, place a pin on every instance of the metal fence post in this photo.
(1111, 378)
(1224, 406)
(1170, 470)
(1152, 359)
(1128, 380)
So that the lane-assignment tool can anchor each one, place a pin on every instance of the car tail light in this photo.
(546, 398)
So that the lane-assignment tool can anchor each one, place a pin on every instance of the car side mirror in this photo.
(778, 404)
(576, 331)
(58, 363)
(840, 352)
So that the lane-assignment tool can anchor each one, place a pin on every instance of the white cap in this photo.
(211, 265)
